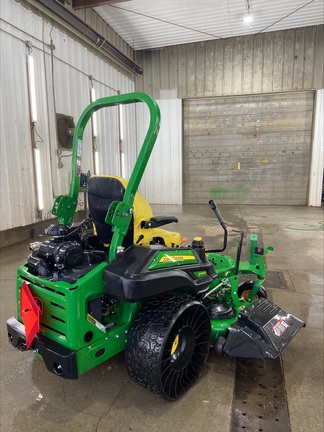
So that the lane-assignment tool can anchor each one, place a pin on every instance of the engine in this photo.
(68, 253)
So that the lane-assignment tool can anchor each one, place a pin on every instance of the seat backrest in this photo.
(102, 191)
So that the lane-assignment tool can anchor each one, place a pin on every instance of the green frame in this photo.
(64, 316)
(119, 214)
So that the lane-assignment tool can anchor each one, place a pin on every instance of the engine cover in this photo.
(54, 255)
(66, 253)
(143, 272)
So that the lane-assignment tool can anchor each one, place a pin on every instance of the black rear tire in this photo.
(168, 345)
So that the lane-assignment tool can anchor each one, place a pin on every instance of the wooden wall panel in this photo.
(248, 149)
(287, 60)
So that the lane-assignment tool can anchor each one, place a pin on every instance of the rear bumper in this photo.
(58, 359)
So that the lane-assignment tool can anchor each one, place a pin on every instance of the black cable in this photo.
(37, 134)
(202, 32)
(48, 109)
(167, 22)
(281, 19)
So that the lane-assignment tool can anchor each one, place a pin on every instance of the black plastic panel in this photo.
(57, 358)
(263, 329)
(127, 277)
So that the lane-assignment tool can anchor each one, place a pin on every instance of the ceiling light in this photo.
(248, 18)
(39, 183)
(96, 162)
(94, 115)
(31, 87)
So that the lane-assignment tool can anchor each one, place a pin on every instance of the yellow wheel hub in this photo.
(175, 345)
(245, 294)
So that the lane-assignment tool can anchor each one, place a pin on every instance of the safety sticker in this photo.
(78, 167)
(79, 149)
(280, 327)
(96, 323)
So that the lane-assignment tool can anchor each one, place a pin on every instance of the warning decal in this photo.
(98, 324)
(79, 148)
(280, 327)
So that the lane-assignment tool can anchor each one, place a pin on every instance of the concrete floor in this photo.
(105, 399)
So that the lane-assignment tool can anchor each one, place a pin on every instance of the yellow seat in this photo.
(103, 190)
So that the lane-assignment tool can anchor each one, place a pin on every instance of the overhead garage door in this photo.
(248, 149)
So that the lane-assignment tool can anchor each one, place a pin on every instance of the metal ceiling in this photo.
(147, 24)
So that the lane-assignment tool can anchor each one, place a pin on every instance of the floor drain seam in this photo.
(260, 399)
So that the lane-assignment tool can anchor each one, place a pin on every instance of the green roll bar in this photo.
(119, 214)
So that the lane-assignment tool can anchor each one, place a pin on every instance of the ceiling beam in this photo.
(90, 34)
(83, 4)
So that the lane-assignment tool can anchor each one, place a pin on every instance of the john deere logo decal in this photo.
(175, 258)
(172, 258)
(200, 274)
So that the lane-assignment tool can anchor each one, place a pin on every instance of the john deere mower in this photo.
(117, 281)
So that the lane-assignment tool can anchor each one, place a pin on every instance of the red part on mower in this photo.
(29, 312)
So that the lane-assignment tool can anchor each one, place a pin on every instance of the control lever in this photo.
(213, 206)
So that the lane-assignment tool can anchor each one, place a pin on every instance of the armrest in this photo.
(158, 221)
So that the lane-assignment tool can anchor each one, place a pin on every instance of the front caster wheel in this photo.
(168, 345)
(245, 289)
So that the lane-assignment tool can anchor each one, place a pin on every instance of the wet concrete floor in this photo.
(105, 399)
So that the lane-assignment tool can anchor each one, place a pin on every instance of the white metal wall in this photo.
(317, 156)
(62, 86)
(275, 62)
(17, 199)
(162, 179)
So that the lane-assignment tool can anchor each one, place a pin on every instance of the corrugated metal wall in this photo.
(18, 199)
(162, 180)
(317, 157)
(91, 17)
(275, 62)
(62, 86)
(271, 62)
(248, 149)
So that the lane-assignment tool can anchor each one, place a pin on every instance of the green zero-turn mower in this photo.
(118, 281)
